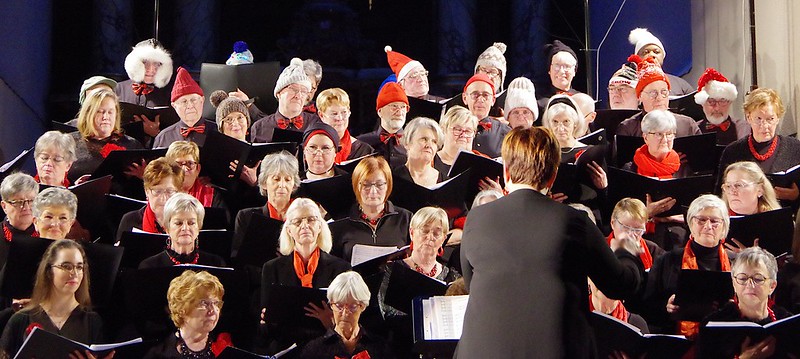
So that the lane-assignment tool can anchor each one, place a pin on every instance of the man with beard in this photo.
(392, 107)
(715, 93)
(479, 96)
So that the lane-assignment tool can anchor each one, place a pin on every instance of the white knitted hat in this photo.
(521, 93)
(640, 38)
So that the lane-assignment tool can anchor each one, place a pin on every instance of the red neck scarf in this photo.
(689, 261)
(360, 355)
(8, 235)
(306, 274)
(644, 256)
(273, 212)
(149, 222)
(203, 193)
(347, 146)
(770, 151)
(619, 311)
(64, 183)
(647, 165)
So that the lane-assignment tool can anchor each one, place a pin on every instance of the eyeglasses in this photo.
(314, 149)
(565, 123)
(378, 186)
(351, 308)
(702, 221)
(237, 119)
(466, 132)
(189, 165)
(667, 135)
(559, 67)
(492, 72)
(395, 107)
(20, 203)
(69, 267)
(769, 121)
(619, 90)
(757, 279)
(713, 102)
(162, 192)
(311, 220)
(417, 75)
(482, 95)
(436, 232)
(209, 305)
(736, 186)
(193, 101)
(294, 91)
(654, 94)
(638, 232)
(45, 157)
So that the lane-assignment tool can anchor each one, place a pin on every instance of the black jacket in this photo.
(392, 230)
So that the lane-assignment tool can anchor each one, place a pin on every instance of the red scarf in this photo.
(8, 235)
(149, 223)
(647, 165)
(360, 355)
(644, 256)
(273, 212)
(347, 144)
(619, 311)
(65, 183)
(203, 193)
(108, 147)
(689, 261)
(306, 274)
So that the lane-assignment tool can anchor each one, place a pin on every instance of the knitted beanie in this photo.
(626, 75)
(521, 94)
(241, 54)
(292, 74)
(480, 77)
(556, 47)
(493, 57)
(184, 85)
(640, 38)
(150, 50)
(390, 92)
(648, 71)
(92, 81)
(226, 105)
(323, 128)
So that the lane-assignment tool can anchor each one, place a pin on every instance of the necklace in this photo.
(765, 156)
(58, 320)
(178, 258)
(185, 352)
(420, 270)
(372, 222)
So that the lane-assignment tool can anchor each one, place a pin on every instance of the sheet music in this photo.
(363, 253)
(8, 164)
(445, 317)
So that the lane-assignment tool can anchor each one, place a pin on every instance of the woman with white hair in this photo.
(422, 139)
(182, 219)
(656, 158)
(708, 223)
(304, 244)
(348, 295)
(54, 154)
(54, 212)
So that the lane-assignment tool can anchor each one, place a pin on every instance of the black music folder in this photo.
(449, 195)
(168, 115)
(220, 150)
(375, 265)
(613, 335)
(259, 241)
(700, 292)
(350, 165)
(256, 80)
(282, 135)
(685, 105)
(237, 353)
(335, 194)
(774, 230)
(405, 284)
(285, 306)
(785, 178)
(724, 339)
(424, 108)
(610, 119)
(479, 168)
(573, 177)
(140, 245)
(700, 150)
(624, 183)
(15, 164)
(43, 344)
(92, 201)
(596, 137)
(118, 162)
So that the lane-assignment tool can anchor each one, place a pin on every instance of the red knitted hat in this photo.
(400, 64)
(391, 92)
(648, 71)
(184, 85)
(480, 77)
(712, 84)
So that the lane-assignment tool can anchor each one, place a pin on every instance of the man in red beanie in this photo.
(479, 97)
(653, 93)
(392, 107)
(187, 100)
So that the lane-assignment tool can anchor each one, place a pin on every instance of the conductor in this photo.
(525, 260)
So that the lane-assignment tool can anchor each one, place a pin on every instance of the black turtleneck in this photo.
(707, 258)
(763, 147)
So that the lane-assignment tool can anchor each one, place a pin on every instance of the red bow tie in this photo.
(485, 126)
(386, 136)
(296, 122)
(721, 127)
(185, 131)
(361, 355)
(142, 88)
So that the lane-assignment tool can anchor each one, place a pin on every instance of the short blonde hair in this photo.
(183, 148)
(632, 207)
(187, 290)
(768, 201)
(458, 115)
(430, 215)
(183, 202)
(762, 97)
(367, 167)
(324, 239)
(420, 123)
(332, 97)
(89, 109)
(531, 156)
(162, 168)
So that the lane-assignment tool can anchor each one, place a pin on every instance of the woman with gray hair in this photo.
(18, 192)
(305, 242)
(656, 158)
(54, 211)
(349, 296)
(422, 139)
(54, 154)
(183, 219)
(753, 275)
(708, 223)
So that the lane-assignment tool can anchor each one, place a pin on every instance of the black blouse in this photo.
(83, 326)
(331, 345)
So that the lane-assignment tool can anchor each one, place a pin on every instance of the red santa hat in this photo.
(400, 64)
(713, 84)
(648, 71)
(184, 85)
(391, 92)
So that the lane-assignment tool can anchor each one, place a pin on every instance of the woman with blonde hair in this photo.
(459, 126)
(747, 190)
(333, 108)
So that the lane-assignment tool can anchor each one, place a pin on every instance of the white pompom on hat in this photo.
(401, 64)
(713, 84)
(292, 74)
(521, 93)
(493, 56)
(640, 37)
(151, 50)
